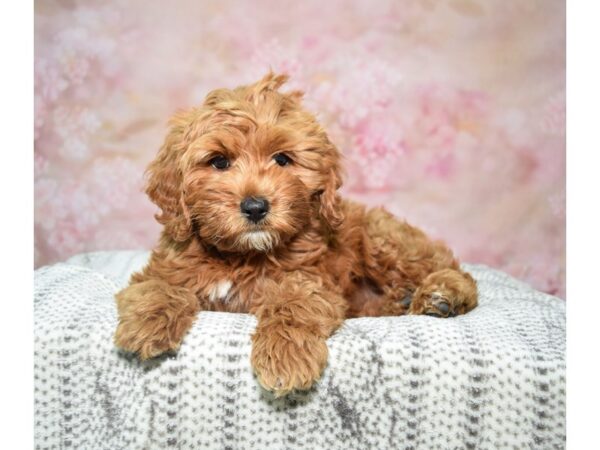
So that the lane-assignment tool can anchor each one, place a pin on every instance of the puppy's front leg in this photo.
(153, 317)
(295, 317)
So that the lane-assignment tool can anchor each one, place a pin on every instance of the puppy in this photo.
(247, 188)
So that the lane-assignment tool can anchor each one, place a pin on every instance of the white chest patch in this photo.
(220, 291)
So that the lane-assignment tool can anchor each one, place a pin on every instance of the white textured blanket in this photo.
(494, 378)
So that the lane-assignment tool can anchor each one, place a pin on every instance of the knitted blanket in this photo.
(494, 378)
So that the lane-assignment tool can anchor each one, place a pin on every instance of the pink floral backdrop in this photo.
(449, 113)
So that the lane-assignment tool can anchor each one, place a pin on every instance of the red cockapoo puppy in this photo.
(247, 185)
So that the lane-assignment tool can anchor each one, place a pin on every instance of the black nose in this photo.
(254, 208)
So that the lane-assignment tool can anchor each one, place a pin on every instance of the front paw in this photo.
(288, 358)
(153, 317)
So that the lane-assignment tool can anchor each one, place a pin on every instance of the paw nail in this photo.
(406, 301)
(432, 314)
(443, 307)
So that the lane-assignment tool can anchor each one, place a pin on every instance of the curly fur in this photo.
(313, 261)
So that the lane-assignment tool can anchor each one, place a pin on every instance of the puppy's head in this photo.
(246, 171)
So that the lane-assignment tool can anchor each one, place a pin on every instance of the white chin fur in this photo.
(257, 240)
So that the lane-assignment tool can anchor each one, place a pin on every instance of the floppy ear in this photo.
(330, 208)
(165, 187)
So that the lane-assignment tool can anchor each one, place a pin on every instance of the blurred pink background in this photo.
(449, 113)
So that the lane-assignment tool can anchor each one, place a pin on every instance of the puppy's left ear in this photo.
(330, 208)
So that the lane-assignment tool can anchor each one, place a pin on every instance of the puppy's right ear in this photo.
(165, 181)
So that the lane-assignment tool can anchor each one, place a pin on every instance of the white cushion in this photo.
(494, 378)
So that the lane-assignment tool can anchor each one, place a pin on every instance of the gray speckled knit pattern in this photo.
(494, 378)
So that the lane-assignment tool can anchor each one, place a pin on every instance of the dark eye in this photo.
(282, 159)
(219, 162)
